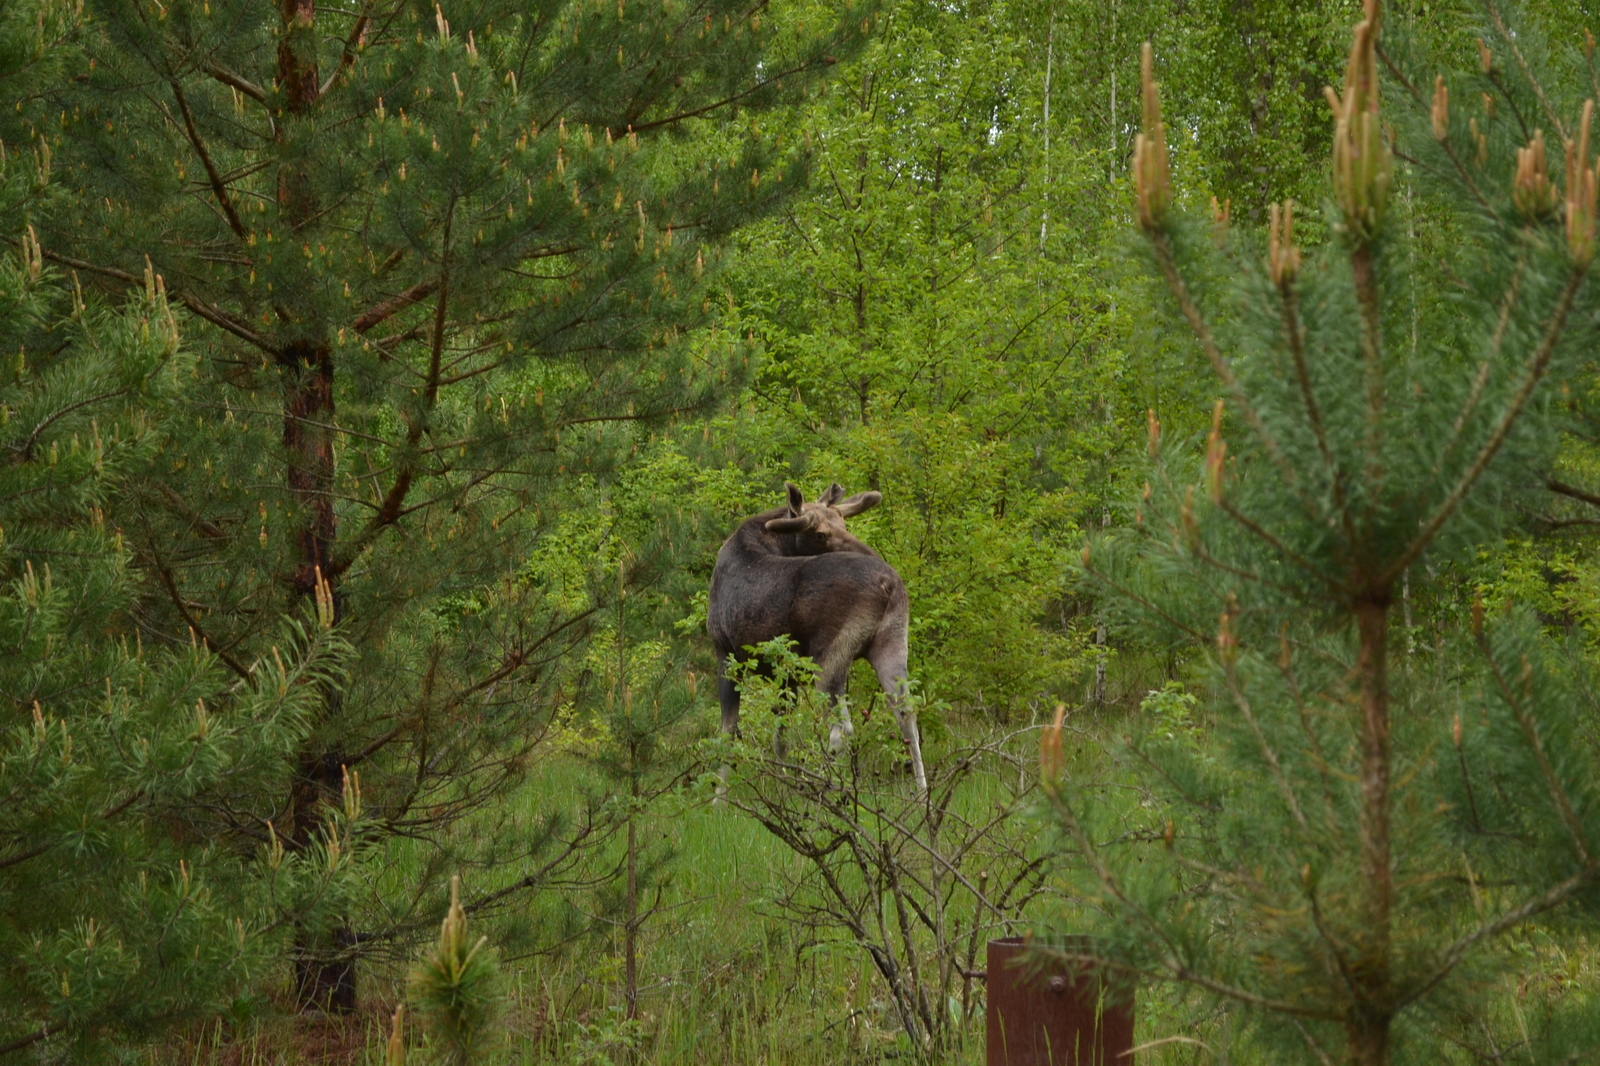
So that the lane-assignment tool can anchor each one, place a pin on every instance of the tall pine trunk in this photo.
(323, 969)
(324, 974)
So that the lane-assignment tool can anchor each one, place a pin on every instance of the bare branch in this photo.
(244, 85)
(218, 188)
(394, 305)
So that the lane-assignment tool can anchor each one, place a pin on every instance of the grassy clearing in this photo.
(725, 979)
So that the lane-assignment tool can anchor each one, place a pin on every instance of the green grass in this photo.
(723, 979)
(726, 979)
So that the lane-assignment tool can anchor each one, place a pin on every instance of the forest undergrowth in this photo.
(729, 982)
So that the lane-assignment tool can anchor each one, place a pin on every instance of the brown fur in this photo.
(797, 571)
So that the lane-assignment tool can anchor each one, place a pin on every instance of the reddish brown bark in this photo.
(323, 966)
(308, 449)
(297, 55)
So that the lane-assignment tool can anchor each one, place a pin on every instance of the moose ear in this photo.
(796, 499)
(833, 495)
(861, 501)
(799, 524)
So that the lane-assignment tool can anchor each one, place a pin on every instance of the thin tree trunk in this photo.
(1049, 66)
(1369, 1023)
(324, 973)
(1111, 170)
(630, 929)
(308, 450)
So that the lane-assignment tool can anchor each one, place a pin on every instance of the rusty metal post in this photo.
(1052, 1016)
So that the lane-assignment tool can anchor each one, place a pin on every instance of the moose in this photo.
(797, 571)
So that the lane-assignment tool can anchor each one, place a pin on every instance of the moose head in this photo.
(818, 526)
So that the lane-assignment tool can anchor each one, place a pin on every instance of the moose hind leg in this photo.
(888, 657)
(833, 681)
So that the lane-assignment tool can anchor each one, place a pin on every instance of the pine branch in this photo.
(1172, 964)
(533, 880)
(229, 78)
(1182, 973)
(25, 450)
(1416, 96)
(189, 300)
(394, 305)
(1508, 303)
(1452, 956)
(1572, 491)
(1535, 373)
(105, 815)
(1238, 571)
(31, 1039)
(1558, 794)
(1516, 53)
(1143, 602)
(1316, 1049)
(728, 101)
(1241, 701)
(1308, 396)
(218, 189)
(1275, 542)
(1516, 112)
(1565, 523)
(22, 857)
(1313, 742)
(171, 585)
(1345, 973)
(391, 509)
(1219, 362)
(356, 39)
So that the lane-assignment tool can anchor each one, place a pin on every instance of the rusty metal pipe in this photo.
(1053, 1014)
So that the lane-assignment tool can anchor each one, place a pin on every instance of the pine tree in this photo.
(1340, 859)
(446, 254)
(121, 907)
(455, 991)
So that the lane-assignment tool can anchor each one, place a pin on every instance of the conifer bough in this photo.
(447, 254)
(1312, 860)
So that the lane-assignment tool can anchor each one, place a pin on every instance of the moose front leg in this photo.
(728, 696)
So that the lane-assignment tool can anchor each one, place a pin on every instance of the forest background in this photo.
(380, 383)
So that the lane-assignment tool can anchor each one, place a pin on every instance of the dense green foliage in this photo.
(130, 900)
(444, 257)
(378, 382)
